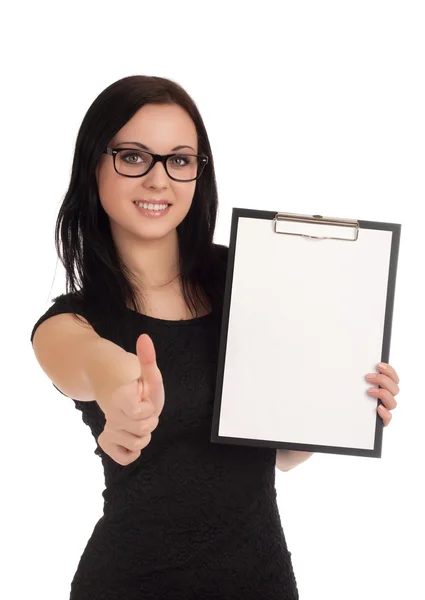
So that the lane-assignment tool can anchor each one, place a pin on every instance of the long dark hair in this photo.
(95, 272)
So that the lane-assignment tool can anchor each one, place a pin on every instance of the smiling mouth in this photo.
(152, 206)
(159, 210)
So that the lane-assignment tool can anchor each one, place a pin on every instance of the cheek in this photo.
(112, 194)
(182, 207)
(184, 198)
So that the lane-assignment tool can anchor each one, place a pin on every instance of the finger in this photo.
(386, 397)
(121, 455)
(118, 453)
(386, 382)
(147, 357)
(389, 370)
(385, 414)
(130, 401)
(150, 374)
(139, 428)
(129, 441)
(137, 412)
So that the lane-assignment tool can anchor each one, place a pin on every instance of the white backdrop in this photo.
(331, 95)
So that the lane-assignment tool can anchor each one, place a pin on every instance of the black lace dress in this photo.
(190, 519)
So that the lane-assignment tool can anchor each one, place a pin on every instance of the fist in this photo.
(132, 410)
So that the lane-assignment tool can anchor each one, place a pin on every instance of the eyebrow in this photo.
(146, 147)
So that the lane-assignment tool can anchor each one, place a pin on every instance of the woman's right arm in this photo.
(76, 358)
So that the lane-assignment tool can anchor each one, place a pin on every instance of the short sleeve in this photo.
(66, 303)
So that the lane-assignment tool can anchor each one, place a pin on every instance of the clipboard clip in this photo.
(289, 220)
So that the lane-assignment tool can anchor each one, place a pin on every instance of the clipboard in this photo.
(307, 313)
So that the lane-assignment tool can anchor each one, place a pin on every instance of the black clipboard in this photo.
(298, 289)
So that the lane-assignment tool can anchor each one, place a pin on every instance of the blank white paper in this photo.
(306, 324)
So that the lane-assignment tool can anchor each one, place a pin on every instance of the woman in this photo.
(183, 518)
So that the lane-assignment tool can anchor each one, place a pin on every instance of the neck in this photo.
(154, 263)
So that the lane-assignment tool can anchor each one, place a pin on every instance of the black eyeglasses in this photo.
(180, 167)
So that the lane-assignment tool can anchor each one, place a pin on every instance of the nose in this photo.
(158, 174)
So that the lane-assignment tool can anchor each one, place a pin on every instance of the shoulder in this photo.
(70, 302)
(221, 252)
(70, 298)
(65, 303)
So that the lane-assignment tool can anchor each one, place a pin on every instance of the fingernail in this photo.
(382, 365)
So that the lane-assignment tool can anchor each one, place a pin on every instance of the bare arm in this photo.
(77, 360)
(288, 459)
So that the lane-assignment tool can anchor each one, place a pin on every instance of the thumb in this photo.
(146, 354)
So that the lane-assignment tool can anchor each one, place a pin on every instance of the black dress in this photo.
(189, 519)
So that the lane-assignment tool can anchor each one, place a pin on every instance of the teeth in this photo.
(150, 206)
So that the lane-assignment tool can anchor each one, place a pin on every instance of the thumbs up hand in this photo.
(132, 410)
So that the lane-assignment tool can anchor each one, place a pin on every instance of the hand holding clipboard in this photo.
(299, 287)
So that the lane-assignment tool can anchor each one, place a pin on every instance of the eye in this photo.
(186, 160)
(131, 154)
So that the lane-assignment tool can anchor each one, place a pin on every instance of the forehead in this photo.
(159, 127)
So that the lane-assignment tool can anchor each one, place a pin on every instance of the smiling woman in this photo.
(121, 181)
(184, 517)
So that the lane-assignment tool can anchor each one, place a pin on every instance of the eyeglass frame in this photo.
(157, 158)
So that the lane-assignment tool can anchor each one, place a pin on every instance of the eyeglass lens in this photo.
(136, 162)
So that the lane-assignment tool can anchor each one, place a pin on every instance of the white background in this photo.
(311, 107)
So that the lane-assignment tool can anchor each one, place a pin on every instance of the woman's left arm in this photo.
(387, 381)
(288, 459)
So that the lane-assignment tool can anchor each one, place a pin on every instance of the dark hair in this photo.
(94, 269)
